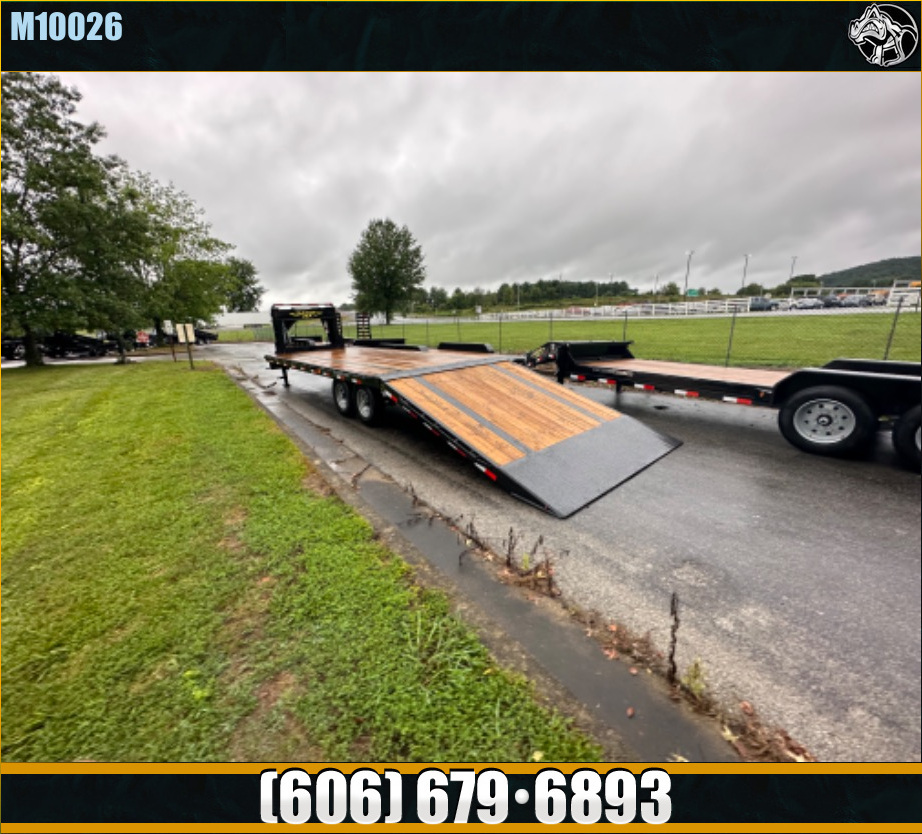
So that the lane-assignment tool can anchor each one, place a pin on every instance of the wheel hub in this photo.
(824, 421)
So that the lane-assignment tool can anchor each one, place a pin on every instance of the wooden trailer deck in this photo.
(547, 444)
(758, 377)
(384, 362)
(503, 410)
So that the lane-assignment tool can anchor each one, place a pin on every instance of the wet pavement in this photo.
(798, 577)
(631, 713)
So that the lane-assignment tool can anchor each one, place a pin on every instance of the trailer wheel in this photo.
(906, 433)
(369, 405)
(344, 397)
(827, 420)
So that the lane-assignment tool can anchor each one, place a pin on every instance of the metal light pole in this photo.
(687, 270)
(793, 261)
(745, 265)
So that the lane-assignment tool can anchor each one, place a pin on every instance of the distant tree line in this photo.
(90, 244)
(508, 296)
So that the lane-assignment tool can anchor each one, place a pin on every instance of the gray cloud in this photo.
(515, 177)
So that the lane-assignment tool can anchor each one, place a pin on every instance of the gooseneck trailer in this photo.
(545, 444)
(835, 409)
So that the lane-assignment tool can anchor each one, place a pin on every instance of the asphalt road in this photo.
(798, 577)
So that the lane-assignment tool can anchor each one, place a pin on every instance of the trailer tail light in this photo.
(490, 474)
(737, 400)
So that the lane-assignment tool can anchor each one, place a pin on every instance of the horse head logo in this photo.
(885, 34)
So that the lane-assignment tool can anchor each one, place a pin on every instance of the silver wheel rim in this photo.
(341, 393)
(363, 403)
(824, 421)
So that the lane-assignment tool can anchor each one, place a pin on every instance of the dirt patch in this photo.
(314, 482)
(234, 523)
(271, 732)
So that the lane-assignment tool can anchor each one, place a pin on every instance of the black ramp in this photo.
(571, 474)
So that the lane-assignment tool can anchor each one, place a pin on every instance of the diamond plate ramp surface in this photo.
(569, 475)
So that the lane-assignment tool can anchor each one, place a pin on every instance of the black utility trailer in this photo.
(832, 410)
(549, 446)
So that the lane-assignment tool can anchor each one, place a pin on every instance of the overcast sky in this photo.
(518, 177)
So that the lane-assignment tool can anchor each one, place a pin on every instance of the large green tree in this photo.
(244, 292)
(68, 231)
(90, 244)
(185, 272)
(386, 267)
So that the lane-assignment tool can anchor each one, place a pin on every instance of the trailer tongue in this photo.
(545, 444)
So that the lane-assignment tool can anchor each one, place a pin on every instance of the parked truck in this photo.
(549, 446)
(835, 409)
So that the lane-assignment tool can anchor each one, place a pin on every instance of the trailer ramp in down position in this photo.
(545, 444)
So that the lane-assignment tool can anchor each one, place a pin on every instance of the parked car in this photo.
(809, 302)
(856, 301)
(60, 344)
(760, 304)
(203, 337)
(831, 301)
(13, 348)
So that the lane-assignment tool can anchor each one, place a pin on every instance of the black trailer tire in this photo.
(344, 397)
(827, 420)
(369, 405)
(906, 433)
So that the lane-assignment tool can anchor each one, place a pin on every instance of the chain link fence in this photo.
(733, 336)
(776, 339)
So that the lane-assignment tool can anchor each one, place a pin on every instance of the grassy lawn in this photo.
(786, 341)
(175, 590)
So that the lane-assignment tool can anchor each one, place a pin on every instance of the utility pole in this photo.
(687, 270)
(793, 261)
(745, 265)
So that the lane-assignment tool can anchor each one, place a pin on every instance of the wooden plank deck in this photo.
(461, 424)
(503, 410)
(381, 361)
(545, 443)
(762, 377)
(496, 407)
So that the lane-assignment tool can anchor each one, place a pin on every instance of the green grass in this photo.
(787, 341)
(773, 340)
(174, 591)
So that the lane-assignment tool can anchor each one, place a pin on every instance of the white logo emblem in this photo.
(885, 34)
